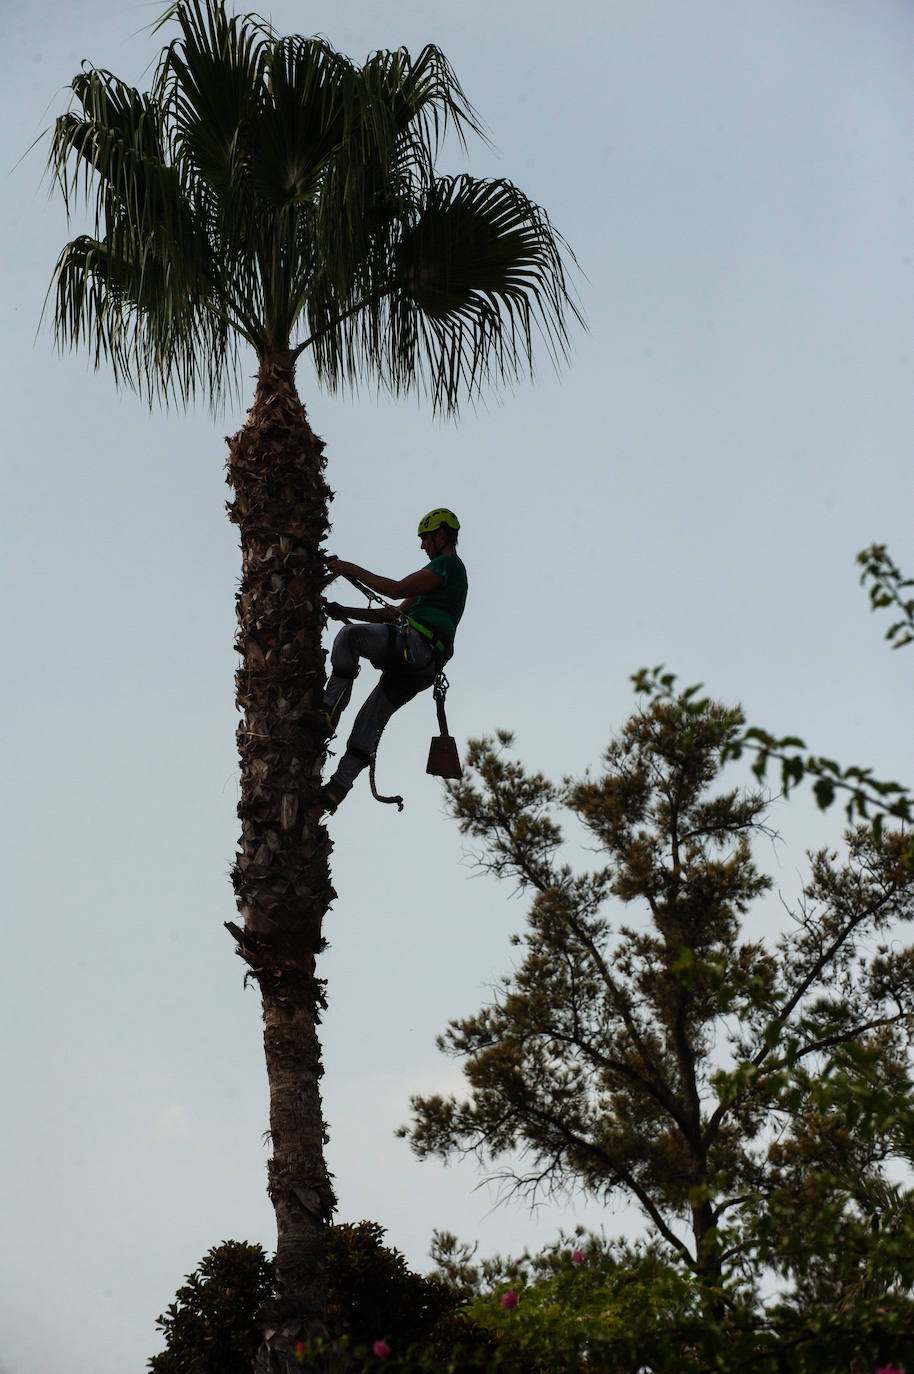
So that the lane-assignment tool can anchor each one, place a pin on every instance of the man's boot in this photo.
(334, 702)
(332, 794)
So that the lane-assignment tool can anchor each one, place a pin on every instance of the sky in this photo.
(737, 184)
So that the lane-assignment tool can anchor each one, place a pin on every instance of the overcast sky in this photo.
(737, 182)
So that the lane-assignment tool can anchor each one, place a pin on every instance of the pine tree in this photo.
(668, 1057)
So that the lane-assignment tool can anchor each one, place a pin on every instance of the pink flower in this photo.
(889, 1369)
(509, 1299)
(577, 1257)
(381, 1349)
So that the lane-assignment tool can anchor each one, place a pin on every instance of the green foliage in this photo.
(372, 1292)
(668, 1057)
(582, 1305)
(886, 588)
(554, 1311)
(619, 1309)
(211, 1327)
(765, 1098)
(267, 188)
(866, 797)
(588, 1307)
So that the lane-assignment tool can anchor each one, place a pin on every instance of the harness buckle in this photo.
(403, 628)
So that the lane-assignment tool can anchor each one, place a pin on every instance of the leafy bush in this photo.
(374, 1294)
(555, 1313)
(211, 1327)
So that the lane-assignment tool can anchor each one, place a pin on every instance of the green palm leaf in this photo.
(141, 288)
(303, 121)
(471, 276)
(116, 308)
(209, 82)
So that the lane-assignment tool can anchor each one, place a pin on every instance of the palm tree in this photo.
(267, 192)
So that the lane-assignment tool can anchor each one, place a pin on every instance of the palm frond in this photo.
(472, 276)
(303, 121)
(115, 309)
(420, 97)
(209, 84)
(116, 145)
(267, 182)
(150, 280)
(256, 121)
(397, 109)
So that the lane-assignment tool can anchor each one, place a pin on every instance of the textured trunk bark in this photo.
(282, 872)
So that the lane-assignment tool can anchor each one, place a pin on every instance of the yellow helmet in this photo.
(436, 518)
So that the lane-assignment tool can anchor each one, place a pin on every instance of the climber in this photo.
(410, 651)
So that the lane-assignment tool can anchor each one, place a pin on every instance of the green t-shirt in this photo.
(440, 610)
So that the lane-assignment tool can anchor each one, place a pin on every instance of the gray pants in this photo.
(407, 666)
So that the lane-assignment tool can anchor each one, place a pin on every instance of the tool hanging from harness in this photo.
(443, 759)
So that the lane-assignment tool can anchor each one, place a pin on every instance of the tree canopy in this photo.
(865, 796)
(662, 1053)
(269, 190)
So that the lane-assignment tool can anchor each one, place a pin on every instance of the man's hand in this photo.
(338, 567)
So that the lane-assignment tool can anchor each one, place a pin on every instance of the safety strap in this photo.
(439, 691)
(437, 644)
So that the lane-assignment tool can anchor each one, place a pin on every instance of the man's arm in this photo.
(413, 585)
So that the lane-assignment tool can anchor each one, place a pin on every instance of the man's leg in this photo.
(394, 690)
(352, 643)
(362, 743)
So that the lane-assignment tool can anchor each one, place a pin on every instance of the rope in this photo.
(390, 801)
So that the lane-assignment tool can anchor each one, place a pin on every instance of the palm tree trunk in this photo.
(282, 871)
